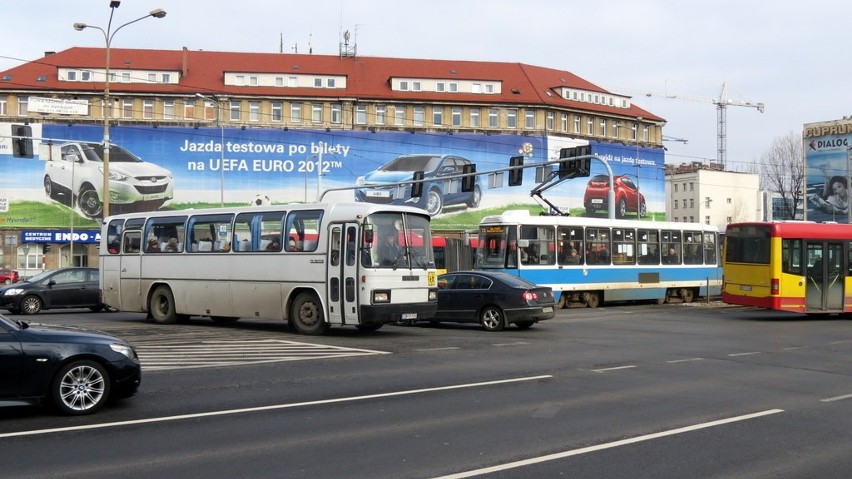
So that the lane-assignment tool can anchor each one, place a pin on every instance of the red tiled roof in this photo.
(367, 77)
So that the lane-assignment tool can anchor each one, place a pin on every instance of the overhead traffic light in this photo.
(417, 186)
(22, 144)
(516, 177)
(573, 167)
(468, 182)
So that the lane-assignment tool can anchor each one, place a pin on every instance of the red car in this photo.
(8, 276)
(627, 196)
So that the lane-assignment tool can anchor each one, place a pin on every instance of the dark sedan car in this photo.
(59, 288)
(493, 299)
(78, 371)
(627, 196)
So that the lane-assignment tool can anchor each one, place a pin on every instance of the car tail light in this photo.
(530, 296)
(773, 287)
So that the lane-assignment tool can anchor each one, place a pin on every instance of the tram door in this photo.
(825, 276)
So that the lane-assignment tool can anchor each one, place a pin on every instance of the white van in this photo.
(77, 174)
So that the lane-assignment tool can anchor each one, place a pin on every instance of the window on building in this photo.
(728, 220)
(602, 130)
(316, 113)
(691, 186)
(380, 114)
(476, 88)
(590, 126)
(127, 108)
(71, 75)
(403, 85)
(254, 111)
(616, 129)
(3, 107)
(564, 123)
(457, 116)
(336, 113)
(454, 87)
(152, 78)
(240, 80)
(692, 202)
(489, 88)
(511, 118)
(474, 118)
(440, 86)
(577, 124)
(675, 203)
(279, 81)
(493, 118)
(729, 202)
(210, 110)
(399, 115)
(295, 113)
(277, 111)
(529, 119)
(292, 82)
(361, 115)
(125, 77)
(684, 203)
(147, 109)
(707, 201)
(437, 116)
(674, 185)
(415, 86)
(235, 110)
(168, 109)
(317, 82)
(85, 75)
(419, 115)
(330, 83)
(189, 109)
(166, 78)
(23, 105)
(706, 220)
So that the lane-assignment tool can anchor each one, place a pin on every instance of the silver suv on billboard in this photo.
(77, 174)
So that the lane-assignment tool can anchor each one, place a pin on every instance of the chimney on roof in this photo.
(47, 54)
(185, 63)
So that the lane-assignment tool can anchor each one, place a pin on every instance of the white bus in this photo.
(312, 265)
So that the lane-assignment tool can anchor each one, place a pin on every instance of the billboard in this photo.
(827, 165)
(185, 167)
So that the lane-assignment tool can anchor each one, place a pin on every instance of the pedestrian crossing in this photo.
(208, 353)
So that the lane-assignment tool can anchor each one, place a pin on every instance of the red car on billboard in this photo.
(627, 196)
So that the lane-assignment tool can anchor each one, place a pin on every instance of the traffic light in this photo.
(46, 248)
(516, 177)
(468, 182)
(417, 186)
(573, 167)
(22, 144)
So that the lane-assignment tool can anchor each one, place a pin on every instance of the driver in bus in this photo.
(389, 249)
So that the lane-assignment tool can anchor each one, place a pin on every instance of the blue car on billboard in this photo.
(382, 184)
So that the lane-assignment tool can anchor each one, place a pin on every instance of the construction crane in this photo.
(722, 103)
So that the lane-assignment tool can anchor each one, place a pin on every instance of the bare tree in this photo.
(782, 171)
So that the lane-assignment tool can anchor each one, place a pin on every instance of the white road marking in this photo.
(675, 361)
(743, 354)
(837, 398)
(273, 407)
(609, 445)
(613, 369)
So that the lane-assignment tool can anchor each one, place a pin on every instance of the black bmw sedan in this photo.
(75, 370)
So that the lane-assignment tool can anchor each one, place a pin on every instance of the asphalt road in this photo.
(638, 391)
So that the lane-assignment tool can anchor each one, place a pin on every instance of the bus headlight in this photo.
(433, 295)
(381, 297)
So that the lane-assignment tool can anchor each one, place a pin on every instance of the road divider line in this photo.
(733, 355)
(608, 445)
(675, 361)
(273, 407)
(603, 370)
(837, 398)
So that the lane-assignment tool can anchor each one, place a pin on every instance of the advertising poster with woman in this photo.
(827, 165)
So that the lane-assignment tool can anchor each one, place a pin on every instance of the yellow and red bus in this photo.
(797, 266)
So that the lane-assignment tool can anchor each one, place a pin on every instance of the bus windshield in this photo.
(398, 240)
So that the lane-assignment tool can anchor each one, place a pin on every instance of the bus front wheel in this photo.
(307, 316)
(162, 306)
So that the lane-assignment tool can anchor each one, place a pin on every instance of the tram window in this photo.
(693, 248)
(598, 246)
(570, 245)
(671, 247)
(710, 248)
(624, 246)
(649, 246)
(538, 245)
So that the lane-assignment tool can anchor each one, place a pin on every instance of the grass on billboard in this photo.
(33, 214)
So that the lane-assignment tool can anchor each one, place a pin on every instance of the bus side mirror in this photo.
(368, 234)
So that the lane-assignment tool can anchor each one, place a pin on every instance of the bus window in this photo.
(791, 256)
(649, 246)
(132, 241)
(210, 233)
(113, 236)
(166, 233)
(303, 229)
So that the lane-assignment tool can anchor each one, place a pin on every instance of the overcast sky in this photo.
(789, 55)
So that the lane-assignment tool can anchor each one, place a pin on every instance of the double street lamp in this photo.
(109, 34)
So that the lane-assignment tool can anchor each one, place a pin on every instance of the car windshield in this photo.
(412, 163)
(39, 277)
(95, 151)
(516, 281)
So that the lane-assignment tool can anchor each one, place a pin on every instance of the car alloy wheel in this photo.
(81, 387)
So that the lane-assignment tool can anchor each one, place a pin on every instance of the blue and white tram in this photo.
(596, 260)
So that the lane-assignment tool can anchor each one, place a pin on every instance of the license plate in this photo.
(745, 287)
(378, 194)
(597, 201)
(548, 309)
(155, 196)
(409, 315)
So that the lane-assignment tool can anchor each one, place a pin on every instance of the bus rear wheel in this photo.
(306, 315)
(162, 306)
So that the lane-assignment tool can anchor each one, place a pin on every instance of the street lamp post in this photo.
(638, 194)
(109, 34)
(221, 145)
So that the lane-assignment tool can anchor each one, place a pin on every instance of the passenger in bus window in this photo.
(273, 246)
(153, 246)
(171, 246)
(573, 257)
(291, 246)
(671, 257)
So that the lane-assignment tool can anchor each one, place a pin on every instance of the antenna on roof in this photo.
(347, 50)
